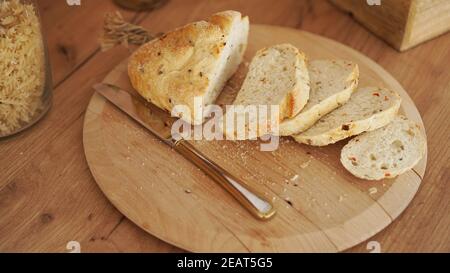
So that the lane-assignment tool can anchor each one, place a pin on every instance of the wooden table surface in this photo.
(48, 196)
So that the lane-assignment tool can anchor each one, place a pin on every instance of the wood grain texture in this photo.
(401, 23)
(429, 18)
(65, 25)
(42, 179)
(324, 209)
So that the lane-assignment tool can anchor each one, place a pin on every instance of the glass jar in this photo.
(140, 4)
(25, 76)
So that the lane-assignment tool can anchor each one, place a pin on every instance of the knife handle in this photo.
(256, 205)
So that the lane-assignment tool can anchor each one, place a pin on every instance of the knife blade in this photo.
(159, 123)
(154, 119)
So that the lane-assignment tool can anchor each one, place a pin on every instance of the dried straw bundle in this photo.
(116, 31)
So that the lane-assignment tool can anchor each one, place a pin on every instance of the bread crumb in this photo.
(305, 164)
(295, 177)
(187, 191)
(341, 198)
(373, 190)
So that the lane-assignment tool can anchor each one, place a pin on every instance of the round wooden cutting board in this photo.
(320, 206)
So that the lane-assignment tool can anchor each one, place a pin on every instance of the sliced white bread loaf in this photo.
(386, 152)
(368, 109)
(278, 75)
(195, 60)
(332, 84)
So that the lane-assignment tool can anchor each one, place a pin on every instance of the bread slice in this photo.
(332, 84)
(368, 109)
(195, 60)
(386, 152)
(277, 75)
(277, 83)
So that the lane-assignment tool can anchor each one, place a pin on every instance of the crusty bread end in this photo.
(192, 61)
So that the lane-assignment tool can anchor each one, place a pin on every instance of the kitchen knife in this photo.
(159, 123)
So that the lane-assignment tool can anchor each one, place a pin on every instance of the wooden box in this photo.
(401, 23)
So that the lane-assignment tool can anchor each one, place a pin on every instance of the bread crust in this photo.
(178, 66)
(299, 95)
